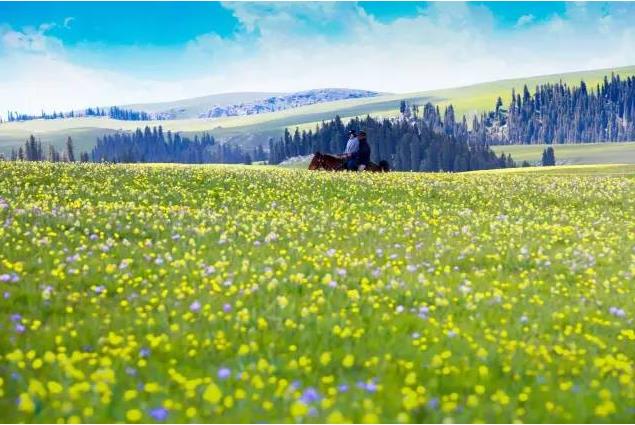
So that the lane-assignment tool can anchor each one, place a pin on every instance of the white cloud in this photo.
(29, 40)
(284, 47)
(68, 21)
(525, 20)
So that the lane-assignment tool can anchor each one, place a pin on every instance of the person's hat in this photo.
(352, 133)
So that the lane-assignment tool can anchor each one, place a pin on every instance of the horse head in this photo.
(316, 161)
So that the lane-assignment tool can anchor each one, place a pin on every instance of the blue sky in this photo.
(173, 24)
(121, 52)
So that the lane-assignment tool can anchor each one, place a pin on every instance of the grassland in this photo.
(569, 154)
(259, 294)
(583, 153)
(467, 100)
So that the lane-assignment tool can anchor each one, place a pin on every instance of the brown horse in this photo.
(327, 162)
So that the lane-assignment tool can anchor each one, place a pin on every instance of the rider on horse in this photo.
(357, 152)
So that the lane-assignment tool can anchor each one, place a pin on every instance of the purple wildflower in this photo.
(144, 352)
(227, 307)
(423, 312)
(224, 373)
(72, 258)
(343, 388)
(371, 387)
(617, 312)
(195, 306)
(159, 413)
(310, 395)
(433, 403)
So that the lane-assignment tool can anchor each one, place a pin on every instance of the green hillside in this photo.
(585, 153)
(241, 130)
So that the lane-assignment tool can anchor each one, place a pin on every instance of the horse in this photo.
(327, 162)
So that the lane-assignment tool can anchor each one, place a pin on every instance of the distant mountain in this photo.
(244, 103)
(194, 107)
(288, 101)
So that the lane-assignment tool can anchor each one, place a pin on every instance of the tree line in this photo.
(155, 145)
(33, 151)
(113, 112)
(147, 145)
(558, 113)
(412, 143)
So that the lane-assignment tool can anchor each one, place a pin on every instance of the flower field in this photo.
(246, 294)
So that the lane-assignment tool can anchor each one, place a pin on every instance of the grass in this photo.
(583, 153)
(605, 170)
(151, 293)
(568, 154)
(466, 100)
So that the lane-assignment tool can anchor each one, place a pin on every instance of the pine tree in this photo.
(70, 154)
(548, 157)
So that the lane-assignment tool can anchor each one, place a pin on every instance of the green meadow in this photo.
(188, 294)
(582, 153)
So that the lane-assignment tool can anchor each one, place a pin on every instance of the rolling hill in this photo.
(250, 130)
(193, 107)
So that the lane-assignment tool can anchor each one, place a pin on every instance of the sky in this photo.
(69, 55)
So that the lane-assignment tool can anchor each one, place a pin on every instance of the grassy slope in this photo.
(588, 153)
(467, 100)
